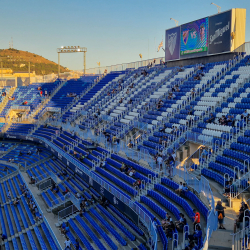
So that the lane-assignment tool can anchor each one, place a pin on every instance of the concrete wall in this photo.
(202, 59)
(193, 147)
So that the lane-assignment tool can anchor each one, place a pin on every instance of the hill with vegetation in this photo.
(18, 61)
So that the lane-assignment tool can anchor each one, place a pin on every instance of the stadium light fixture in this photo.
(71, 49)
(176, 22)
(218, 7)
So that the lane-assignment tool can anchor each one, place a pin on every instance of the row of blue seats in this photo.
(126, 232)
(235, 154)
(100, 218)
(176, 198)
(230, 162)
(213, 175)
(118, 182)
(135, 175)
(188, 194)
(136, 166)
(158, 223)
(107, 239)
(222, 169)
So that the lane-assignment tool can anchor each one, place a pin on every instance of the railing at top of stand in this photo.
(244, 48)
(123, 66)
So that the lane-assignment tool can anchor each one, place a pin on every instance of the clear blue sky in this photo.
(114, 31)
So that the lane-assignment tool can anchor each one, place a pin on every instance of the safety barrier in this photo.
(241, 238)
(47, 183)
(212, 225)
(67, 212)
(75, 200)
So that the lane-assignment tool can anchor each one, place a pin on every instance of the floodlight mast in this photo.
(176, 22)
(218, 7)
(72, 49)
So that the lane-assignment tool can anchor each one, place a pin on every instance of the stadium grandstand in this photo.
(151, 155)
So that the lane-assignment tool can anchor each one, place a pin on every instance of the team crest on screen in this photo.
(185, 36)
(172, 42)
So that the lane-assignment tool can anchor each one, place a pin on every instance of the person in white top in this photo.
(9, 195)
(174, 156)
(67, 243)
(159, 162)
(178, 191)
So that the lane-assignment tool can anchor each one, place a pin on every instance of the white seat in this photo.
(129, 117)
(134, 114)
(125, 121)
(118, 111)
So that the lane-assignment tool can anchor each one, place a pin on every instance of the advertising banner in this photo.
(172, 44)
(194, 37)
(220, 33)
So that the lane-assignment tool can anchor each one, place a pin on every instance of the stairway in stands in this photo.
(5, 101)
(45, 102)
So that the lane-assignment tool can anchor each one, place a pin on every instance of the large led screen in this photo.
(194, 37)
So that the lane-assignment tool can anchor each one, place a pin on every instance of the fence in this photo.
(123, 66)
(61, 200)
(74, 200)
(44, 176)
(45, 184)
(212, 224)
(66, 212)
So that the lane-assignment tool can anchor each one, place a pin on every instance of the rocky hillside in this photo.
(18, 61)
